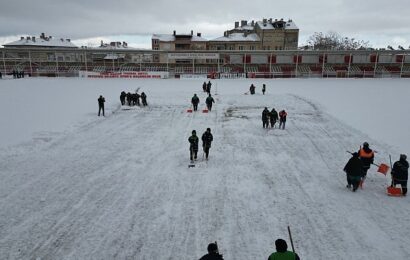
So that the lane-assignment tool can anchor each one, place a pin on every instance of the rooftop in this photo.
(42, 41)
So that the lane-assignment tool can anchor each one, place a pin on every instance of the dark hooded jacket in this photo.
(400, 170)
(354, 166)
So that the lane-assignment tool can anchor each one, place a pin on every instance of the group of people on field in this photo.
(358, 165)
(208, 101)
(281, 253)
(125, 99)
(272, 117)
(252, 89)
(193, 140)
(133, 99)
(206, 87)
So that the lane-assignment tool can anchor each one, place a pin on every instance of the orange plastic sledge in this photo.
(189, 110)
(205, 111)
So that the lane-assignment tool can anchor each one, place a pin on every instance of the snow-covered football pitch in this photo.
(77, 186)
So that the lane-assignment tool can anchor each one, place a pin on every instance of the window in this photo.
(241, 48)
(252, 47)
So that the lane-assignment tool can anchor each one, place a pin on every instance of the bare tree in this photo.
(334, 41)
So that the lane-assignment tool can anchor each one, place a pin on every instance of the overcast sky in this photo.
(87, 22)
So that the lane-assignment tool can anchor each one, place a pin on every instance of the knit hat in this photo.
(281, 245)
(212, 247)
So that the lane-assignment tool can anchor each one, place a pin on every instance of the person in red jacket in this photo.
(282, 118)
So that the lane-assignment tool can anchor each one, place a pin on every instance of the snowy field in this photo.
(77, 186)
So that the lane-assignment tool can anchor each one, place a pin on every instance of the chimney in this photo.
(270, 20)
(243, 23)
(192, 32)
(21, 38)
(33, 39)
(112, 44)
(225, 33)
(198, 34)
(281, 19)
(69, 40)
(42, 36)
(102, 43)
(124, 44)
(264, 21)
(175, 32)
(253, 23)
(28, 38)
(62, 39)
(236, 24)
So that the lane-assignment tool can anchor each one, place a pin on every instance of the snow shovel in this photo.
(189, 110)
(383, 168)
(205, 111)
(393, 191)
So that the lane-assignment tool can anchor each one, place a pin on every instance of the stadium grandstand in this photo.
(58, 57)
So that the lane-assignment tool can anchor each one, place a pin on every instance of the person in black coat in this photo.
(101, 101)
(207, 139)
(273, 116)
(122, 98)
(354, 171)
(195, 102)
(193, 145)
(208, 87)
(129, 98)
(213, 253)
(204, 86)
(265, 117)
(144, 99)
(209, 100)
(400, 173)
(252, 89)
